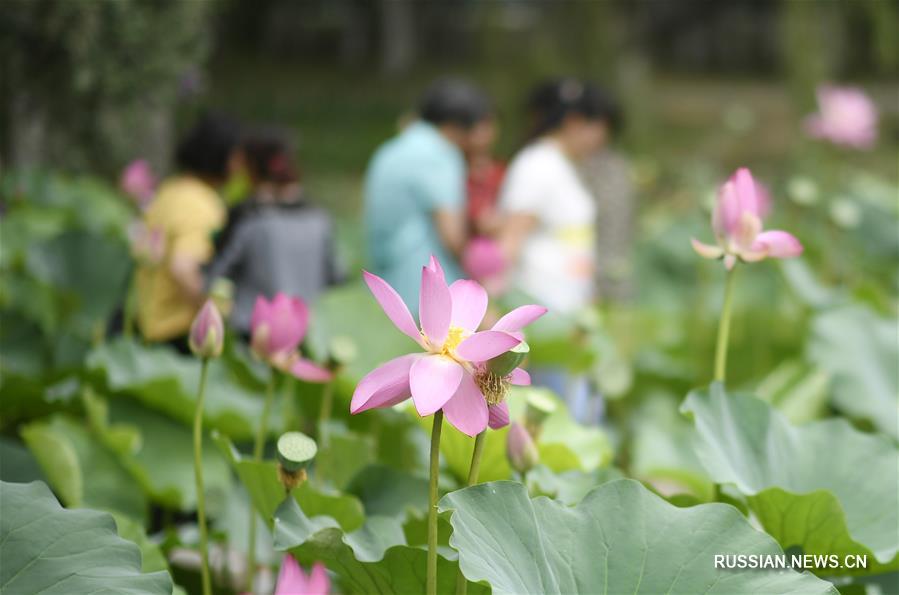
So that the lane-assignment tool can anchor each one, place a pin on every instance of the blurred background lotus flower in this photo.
(451, 374)
(138, 182)
(737, 223)
(521, 449)
(147, 243)
(293, 581)
(277, 329)
(484, 261)
(207, 333)
(846, 116)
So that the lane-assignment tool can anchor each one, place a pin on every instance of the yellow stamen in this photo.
(453, 337)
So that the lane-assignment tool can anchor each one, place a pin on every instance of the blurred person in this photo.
(548, 234)
(275, 241)
(188, 211)
(415, 188)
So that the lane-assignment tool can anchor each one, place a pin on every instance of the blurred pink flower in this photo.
(138, 182)
(293, 581)
(207, 332)
(147, 243)
(484, 261)
(451, 374)
(521, 449)
(737, 222)
(277, 328)
(846, 116)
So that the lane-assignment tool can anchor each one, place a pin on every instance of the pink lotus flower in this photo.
(737, 221)
(484, 261)
(452, 373)
(207, 332)
(521, 449)
(147, 243)
(293, 581)
(846, 116)
(277, 328)
(138, 182)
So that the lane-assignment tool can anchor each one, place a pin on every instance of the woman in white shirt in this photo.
(550, 216)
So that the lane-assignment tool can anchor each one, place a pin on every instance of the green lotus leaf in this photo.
(372, 559)
(45, 548)
(167, 382)
(859, 349)
(824, 486)
(621, 538)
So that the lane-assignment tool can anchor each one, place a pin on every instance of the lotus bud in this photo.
(207, 333)
(521, 449)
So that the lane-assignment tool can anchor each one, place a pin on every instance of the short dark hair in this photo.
(269, 155)
(208, 145)
(551, 101)
(455, 101)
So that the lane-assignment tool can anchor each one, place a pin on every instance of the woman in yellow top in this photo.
(189, 211)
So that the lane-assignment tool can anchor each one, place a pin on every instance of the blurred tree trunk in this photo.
(397, 36)
(812, 41)
(354, 40)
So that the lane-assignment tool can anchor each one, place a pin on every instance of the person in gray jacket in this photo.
(275, 241)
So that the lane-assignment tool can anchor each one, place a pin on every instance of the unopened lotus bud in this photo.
(295, 451)
(222, 293)
(207, 333)
(521, 449)
(540, 405)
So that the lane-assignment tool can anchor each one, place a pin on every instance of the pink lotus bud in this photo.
(293, 581)
(521, 449)
(138, 182)
(846, 116)
(207, 333)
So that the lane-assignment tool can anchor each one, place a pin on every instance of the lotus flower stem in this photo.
(258, 447)
(431, 584)
(198, 474)
(130, 306)
(724, 327)
(473, 470)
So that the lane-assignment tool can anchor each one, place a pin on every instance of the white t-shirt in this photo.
(557, 260)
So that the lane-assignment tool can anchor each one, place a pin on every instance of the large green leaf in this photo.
(82, 470)
(859, 349)
(823, 486)
(621, 538)
(47, 549)
(372, 559)
(167, 382)
(162, 460)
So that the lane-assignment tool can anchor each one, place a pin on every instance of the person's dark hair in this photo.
(269, 156)
(207, 147)
(552, 101)
(454, 101)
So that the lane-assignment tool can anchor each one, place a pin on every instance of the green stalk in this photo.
(473, 470)
(198, 474)
(724, 327)
(431, 584)
(258, 447)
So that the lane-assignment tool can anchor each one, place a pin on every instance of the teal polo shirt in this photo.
(409, 177)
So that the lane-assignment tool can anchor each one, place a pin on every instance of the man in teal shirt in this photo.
(415, 189)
